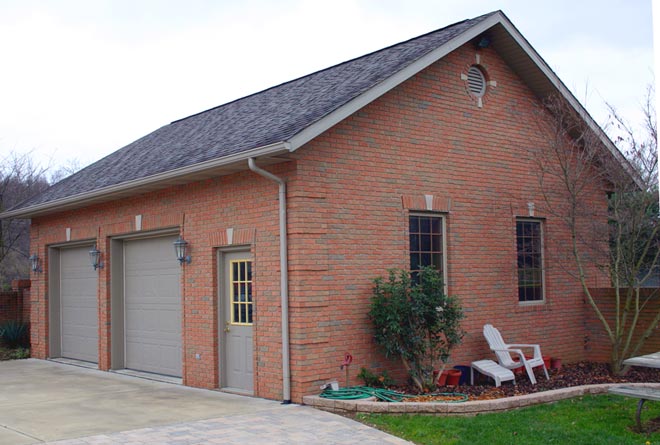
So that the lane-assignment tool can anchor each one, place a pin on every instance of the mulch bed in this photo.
(576, 374)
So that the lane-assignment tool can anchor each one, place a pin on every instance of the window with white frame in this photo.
(427, 242)
(529, 246)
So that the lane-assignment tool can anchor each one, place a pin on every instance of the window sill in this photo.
(533, 306)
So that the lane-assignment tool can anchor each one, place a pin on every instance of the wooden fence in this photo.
(596, 342)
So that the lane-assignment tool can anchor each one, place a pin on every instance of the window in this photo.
(529, 240)
(241, 292)
(427, 235)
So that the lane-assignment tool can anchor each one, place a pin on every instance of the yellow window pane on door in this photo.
(241, 289)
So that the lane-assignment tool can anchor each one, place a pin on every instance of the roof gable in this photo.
(282, 118)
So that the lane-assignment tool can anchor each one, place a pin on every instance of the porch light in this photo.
(95, 258)
(34, 263)
(180, 246)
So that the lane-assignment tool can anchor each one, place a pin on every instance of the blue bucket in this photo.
(465, 374)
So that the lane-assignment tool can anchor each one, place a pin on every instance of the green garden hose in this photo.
(386, 395)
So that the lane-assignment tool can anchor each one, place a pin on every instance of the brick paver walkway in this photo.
(292, 424)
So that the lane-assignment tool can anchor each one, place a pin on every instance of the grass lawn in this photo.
(602, 419)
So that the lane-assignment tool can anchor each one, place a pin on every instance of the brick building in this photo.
(414, 154)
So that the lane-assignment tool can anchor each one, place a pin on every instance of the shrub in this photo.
(374, 380)
(416, 322)
(19, 354)
(15, 334)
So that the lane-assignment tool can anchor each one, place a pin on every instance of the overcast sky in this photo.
(82, 78)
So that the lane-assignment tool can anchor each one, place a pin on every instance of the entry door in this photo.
(237, 322)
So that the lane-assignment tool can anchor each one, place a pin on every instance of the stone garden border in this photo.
(464, 408)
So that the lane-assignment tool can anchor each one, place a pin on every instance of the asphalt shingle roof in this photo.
(270, 116)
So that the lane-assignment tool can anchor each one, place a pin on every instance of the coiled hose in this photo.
(385, 395)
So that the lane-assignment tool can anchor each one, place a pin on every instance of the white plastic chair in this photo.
(504, 353)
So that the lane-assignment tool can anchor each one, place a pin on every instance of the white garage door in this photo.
(152, 306)
(78, 305)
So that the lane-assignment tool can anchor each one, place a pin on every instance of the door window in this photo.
(241, 292)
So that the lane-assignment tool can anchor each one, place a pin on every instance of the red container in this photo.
(449, 377)
(442, 379)
(546, 362)
(555, 363)
(453, 377)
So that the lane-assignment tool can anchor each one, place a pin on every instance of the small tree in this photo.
(621, 239)
(416, 321)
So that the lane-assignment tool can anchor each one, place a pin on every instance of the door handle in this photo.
(226, 327)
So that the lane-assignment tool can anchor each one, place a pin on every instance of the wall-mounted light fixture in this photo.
(483, 42)
(95, 258)
(34, 263)
(180, 247)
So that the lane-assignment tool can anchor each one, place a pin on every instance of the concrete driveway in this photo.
(42, 401)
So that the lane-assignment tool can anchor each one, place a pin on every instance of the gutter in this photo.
(284, 280)
(106, 193)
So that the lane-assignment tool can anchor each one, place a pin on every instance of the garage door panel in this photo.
(152, 306)
(78, 305)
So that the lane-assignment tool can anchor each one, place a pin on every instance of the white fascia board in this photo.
(570, 98)
(83, 198)
(374, 93)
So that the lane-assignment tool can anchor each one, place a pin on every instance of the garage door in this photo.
(152, 306)
(78, 305)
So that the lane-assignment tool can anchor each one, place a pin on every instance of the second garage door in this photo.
(152, 306)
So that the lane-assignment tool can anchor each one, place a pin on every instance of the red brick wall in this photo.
(9, 303)
(426, 137)
(598, 344)
(349, 195)
(203, 211)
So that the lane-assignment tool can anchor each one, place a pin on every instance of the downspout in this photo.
(284, 280)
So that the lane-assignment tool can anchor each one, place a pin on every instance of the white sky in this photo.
(80, 79)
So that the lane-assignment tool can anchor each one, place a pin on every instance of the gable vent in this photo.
(476, 81)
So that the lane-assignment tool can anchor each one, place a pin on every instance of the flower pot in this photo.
(546, 362)
(453, 377)
(442, 378)
(555, 363)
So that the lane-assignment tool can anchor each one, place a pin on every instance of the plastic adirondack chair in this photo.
(504, 353)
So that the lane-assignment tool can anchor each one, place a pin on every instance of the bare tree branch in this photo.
(623, 239)
(20, 179)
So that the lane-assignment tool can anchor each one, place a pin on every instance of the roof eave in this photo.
(191, 173)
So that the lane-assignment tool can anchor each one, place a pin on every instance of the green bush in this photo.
(15, 334)
(416, 322)
(374, 380)
(19, 353)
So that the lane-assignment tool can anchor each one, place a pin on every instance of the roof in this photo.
(269, 124)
